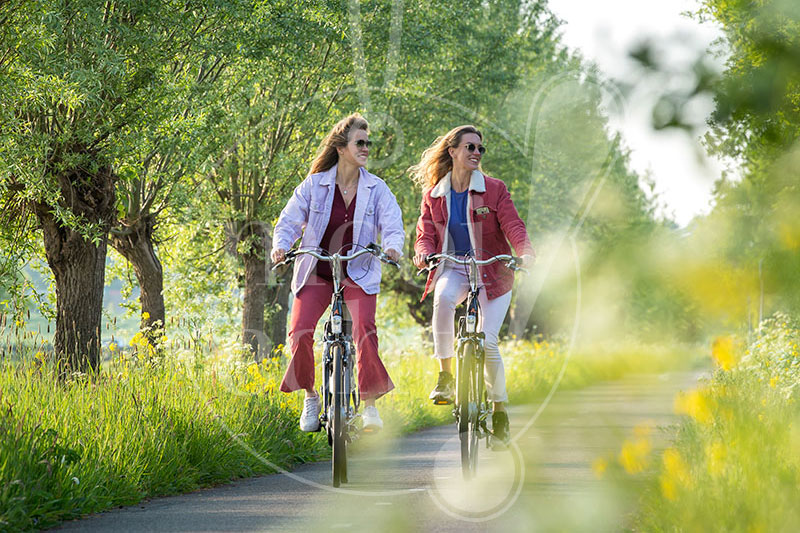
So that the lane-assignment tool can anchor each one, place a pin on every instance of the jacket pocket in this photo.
(485, 218)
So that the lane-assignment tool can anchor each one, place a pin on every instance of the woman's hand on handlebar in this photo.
(393, 254)
(278, 255)
(419, 261)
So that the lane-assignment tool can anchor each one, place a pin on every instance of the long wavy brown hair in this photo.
(436, 161)
(339, 136)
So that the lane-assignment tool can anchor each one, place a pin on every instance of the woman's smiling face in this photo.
(465, 158)
(357, 150)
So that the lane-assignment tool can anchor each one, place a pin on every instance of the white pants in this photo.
(451, 289)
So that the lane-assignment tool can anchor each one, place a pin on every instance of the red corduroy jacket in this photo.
(493, 222)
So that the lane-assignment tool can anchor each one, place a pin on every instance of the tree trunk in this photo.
(136, 245)
(78, 266)
(255, 297)
(525, 319)
(278, 295)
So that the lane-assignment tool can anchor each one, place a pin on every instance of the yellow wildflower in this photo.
(635, 455)
(146, 316)
(694, 404)
(668, 489)
(723, 353)
(675, 474)
(773, 382)
(136, 339)
(599, 467)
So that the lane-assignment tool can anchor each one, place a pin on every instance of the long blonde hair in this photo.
(339, 136)
(436, 161)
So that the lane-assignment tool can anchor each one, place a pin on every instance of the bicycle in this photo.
(471, 403)
(340, 396)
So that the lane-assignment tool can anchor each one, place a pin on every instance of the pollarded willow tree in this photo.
(78, 80)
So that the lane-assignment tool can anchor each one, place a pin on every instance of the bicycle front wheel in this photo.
(338, 430)
(468, 411)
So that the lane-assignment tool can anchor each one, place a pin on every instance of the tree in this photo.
(756, 122)
(77, 77)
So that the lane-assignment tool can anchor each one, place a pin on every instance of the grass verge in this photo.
(151, 424)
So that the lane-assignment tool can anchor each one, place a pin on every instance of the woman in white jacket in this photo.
(338, 206)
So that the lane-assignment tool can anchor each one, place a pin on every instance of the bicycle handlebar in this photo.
(511, 261)
(372, 248)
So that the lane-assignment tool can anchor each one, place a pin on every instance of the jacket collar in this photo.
(365, 179)
(477, 183)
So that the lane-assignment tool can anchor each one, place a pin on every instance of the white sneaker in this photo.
(372, 420)
(309, 419)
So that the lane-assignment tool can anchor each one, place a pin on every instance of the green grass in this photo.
(88, 444)
(151, 425)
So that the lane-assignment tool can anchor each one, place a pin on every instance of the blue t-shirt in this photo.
(457, 225)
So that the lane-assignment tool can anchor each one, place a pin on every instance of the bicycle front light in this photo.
(336, 324)
(472, 323)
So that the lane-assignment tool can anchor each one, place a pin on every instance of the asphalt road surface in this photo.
(413, 483)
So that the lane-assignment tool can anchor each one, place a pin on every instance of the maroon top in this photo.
(338, 235)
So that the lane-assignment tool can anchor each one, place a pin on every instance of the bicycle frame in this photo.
(471, 407)
(338, 333)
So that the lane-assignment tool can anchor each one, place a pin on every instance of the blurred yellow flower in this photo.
(773, 382)
(668, 489)
(723, 353)
(694, 404)
(635, 455)
(675, 474)
(136, 339)
(113, 346)
(146, 315)
(599, 467)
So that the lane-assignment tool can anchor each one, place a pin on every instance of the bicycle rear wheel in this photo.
(338, 420)
(467, 411)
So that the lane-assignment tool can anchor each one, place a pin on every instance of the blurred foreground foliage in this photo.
(733, 465)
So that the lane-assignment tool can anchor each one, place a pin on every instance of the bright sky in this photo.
(604, 32)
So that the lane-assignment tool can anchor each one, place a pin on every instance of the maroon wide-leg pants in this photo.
(309, 305)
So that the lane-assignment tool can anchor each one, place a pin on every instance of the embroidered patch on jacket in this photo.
(482, 210)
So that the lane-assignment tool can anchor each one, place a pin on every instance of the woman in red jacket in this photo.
(465, 212)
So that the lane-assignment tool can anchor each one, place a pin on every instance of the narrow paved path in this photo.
(413, 483)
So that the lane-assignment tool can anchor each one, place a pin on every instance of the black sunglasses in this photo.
(361, 143)
(480, 148)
